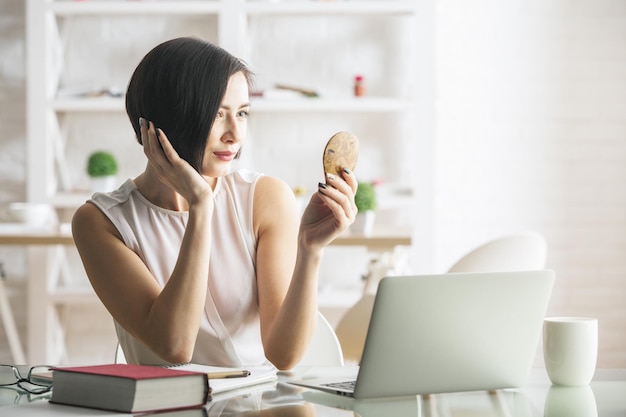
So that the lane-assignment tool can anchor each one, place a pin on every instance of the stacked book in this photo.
(141, 389)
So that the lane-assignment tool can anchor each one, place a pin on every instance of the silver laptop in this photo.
(449, 333)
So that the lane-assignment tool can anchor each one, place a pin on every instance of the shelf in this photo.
(381, 242)
(24, 236)
(364, 104)
(67, 8)
(88, 104)
(332, 8)
(35, 239)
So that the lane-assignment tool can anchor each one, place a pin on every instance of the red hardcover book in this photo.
(129, 388)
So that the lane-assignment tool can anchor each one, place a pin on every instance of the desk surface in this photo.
(604, 398)
(24, 236)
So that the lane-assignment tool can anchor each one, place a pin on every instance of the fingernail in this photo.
(142, 121)
(330, 176)
(322, 185)
(346, 170)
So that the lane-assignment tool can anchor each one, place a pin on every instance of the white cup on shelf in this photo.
(570, 349)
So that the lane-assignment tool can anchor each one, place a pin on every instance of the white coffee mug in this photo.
(570, 349)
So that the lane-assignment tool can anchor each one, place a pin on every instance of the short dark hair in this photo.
(179, 86)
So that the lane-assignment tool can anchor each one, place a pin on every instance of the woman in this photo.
(193, 261)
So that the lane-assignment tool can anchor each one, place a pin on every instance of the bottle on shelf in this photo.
(359, 86)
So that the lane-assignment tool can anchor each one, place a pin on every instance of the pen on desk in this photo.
(240, 373)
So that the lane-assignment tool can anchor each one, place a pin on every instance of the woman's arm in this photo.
(288, 260)
(165, 319)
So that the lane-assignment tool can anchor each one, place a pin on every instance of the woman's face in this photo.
(229, 128)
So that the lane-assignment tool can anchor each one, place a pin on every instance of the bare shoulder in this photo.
(273, 200)
(85, 216)
(88, 221)
(273, 187)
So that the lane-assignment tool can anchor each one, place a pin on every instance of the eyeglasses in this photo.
(36, 381)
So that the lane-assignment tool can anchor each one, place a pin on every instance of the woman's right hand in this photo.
(169, 167)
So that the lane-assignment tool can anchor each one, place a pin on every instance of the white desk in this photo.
(604, 398)
(375, 243)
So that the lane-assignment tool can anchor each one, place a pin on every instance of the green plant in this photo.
(365, 197)
(101, 164)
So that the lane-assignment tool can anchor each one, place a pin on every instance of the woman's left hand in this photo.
(330, 211)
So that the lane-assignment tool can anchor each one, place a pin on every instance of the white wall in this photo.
(530, 134)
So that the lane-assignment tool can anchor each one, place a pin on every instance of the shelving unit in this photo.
(61, 129)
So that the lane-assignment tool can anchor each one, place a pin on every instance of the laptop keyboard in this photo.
(347, 385)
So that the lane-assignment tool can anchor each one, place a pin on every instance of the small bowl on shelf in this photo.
(32, 214)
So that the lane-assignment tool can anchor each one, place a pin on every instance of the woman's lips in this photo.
(225, 155)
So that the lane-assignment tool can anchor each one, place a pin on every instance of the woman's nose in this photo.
(233, 130)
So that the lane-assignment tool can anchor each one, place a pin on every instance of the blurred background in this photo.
(480, 118)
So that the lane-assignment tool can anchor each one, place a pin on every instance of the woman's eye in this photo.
(243, 113)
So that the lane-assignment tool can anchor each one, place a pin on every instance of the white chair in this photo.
(324, 349)
(515, 252)
(524, 251)
(119, 354)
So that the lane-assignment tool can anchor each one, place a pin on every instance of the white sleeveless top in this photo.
(230, 329)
